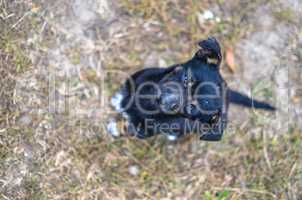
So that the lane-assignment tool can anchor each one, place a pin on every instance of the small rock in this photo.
(162, 63)
(208, 15)
(134, 170)
(25, 120)
(205, 16)
(217, 19)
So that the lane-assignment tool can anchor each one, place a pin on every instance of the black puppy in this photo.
(186, 98)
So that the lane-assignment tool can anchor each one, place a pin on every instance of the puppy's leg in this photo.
(215, 134)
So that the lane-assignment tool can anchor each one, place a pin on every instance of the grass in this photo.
(60, 156)
(284, 15)
(104, 166)
(14, 62)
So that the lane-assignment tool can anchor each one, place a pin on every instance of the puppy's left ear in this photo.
(210, 51)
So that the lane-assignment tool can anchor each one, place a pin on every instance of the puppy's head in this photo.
(195, 89)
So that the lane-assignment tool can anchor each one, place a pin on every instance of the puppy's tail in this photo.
(243, 100)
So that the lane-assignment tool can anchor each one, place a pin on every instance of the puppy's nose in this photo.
(174, 106)
(190, 109)
(170, 103)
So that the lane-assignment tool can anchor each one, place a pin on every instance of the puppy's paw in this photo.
(112, 128)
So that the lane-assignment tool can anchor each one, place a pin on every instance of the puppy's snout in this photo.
(170, 103)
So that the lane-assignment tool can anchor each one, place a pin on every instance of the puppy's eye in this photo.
(174, 107)
(185, 80)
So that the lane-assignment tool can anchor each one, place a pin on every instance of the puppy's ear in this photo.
(178, 68)
(210, 51)
(172, 73)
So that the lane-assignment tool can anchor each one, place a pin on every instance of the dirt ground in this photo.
(62, 60)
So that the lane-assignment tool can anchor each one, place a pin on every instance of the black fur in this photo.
(186, 98)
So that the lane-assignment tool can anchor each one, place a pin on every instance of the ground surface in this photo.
(61, 61)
